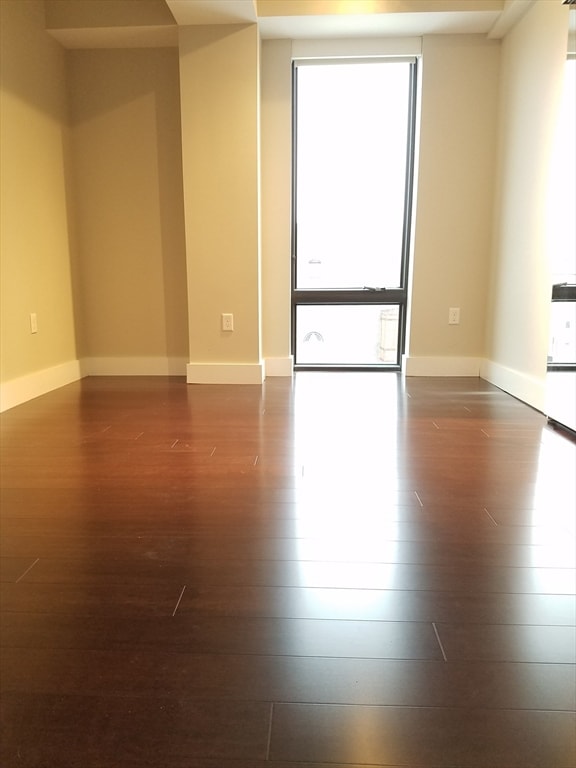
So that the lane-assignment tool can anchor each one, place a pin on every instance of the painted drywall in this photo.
(276, 147)
(455, 182)
(131, 259)
(112, 13)
(219, 84)
(35, 202)
(452, 238)
(533, 57)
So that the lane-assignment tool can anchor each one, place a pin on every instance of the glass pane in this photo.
(347, 334)
(351, 173)
(562, 333)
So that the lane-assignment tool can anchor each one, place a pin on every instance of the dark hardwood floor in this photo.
(341, 570)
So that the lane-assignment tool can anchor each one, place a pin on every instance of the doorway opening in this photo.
(354, 125)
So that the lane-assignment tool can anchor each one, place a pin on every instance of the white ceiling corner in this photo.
(511, 14)
(193, 12)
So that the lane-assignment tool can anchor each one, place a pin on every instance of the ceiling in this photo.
(144, 23)
(298, 19)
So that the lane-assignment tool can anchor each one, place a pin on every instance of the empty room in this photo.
(287, 384)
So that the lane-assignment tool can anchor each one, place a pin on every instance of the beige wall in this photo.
(131, 259)
(455, 185)
(454, 202)
(112, 13)
(35, 217)
(533, 57)
(276, 145)
(219, 71)
(94, 198)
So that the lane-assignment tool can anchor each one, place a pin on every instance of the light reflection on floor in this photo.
(343, 469)
(555, 490)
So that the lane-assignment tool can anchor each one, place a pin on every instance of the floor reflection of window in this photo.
(346, 473)
(554, 504)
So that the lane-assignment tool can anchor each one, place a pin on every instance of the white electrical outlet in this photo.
(227, 322)
(454, 316)
(33, 323)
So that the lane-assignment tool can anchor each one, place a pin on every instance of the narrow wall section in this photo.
(533, 59)
(276, 204)
(35, 210)
(219, 81)
(452, 238)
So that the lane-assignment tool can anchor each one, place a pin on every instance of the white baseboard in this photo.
(529, 389)
(134, 366)
(279, 366)
(20, 390)
(442, 366)
(225, 373)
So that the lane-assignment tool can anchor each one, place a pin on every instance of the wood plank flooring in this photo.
(338, 570)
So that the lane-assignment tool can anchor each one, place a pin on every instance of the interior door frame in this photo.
(350, 297)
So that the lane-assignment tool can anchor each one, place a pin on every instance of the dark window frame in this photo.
(346, 297)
